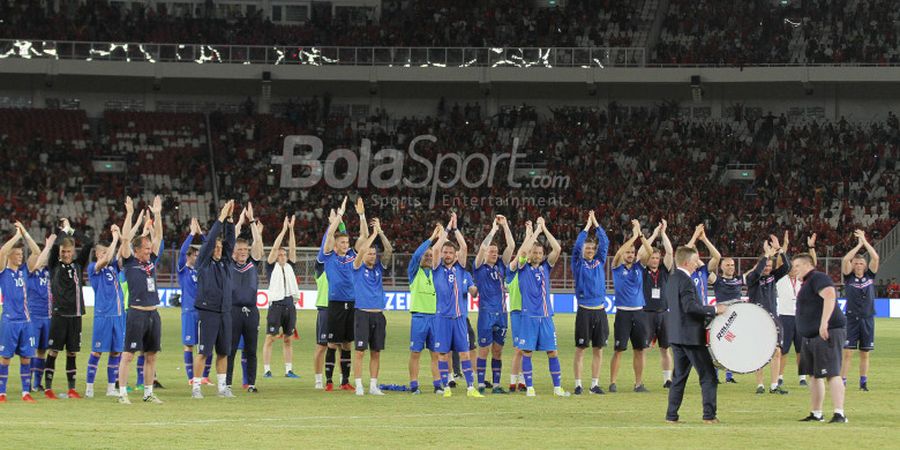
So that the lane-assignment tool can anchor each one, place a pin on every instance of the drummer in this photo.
(727, 288)
(761, 283)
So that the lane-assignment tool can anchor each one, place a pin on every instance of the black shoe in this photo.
(439, 391)
(481, 390)
(640, 388)
(760, 390)
(578, 390)
(252, 389)
(863, 387)
(803, 383)
(498, 390)
(838, 418)
(597, 390)
(157, 385)
(667, 384)
(452, 384)
(780, 382)
(488, 385)
(812, 418)
(778, 390)
(612, 388)
(731, 380)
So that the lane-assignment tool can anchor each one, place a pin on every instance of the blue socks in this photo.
(4, 375)
(37, 371)
(527, 370)
(444, 369)
(481, 366)
(244, 368)
(207, 366)
(25, 376)
(863, 379)
(112, 368)
(140, 370)
(555, 371)
(189, 364)
(436, 384)
(496, 365)
(93, 361)
(467, 371)
(729, 375)
(413, 385)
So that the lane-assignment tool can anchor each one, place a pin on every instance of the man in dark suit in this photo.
(686, 328)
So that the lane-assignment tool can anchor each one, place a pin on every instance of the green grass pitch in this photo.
(291, 414)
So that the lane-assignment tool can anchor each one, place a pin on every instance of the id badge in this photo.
(151, 285)
(655, 293)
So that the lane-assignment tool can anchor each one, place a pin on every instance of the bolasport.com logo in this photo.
(392, 168)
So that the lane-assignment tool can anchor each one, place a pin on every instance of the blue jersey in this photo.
(108, 295)
(368, 286)
(700, 277)
(187, 276)
(860, 292)
(629, 285)
(491, 287)
(534, 284)
(339, 271)
(590, 275)
(39, 294)
(15, 294)
(451, 290)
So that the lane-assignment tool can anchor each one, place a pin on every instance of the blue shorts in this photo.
(515, 326)
(109, 334)
(189, 329)
(538, 334)
(16, 339)
(491, 329)
(451, 334)
(40, 329)
(421, 332)
(860, 333)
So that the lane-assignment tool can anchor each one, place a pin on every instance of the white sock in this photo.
(667, 375)
(818, 414)
(148, 390)
(839, 411)
(319, 378)
(196, 384)
(760, 386)
(110, 386)
(577, 382)
(220, 381)
(267, 368)
(521, 378)
(288, 367)
(359, 384)
(89, 386)
(802, 377)
(25, 393)
(513, 379)
(373, 383)
(595, 382)
(123, 391)
(773, 385)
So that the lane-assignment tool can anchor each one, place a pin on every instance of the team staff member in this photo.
(143, 328)
(655, 279)
(823, 327)
(244, 312)
(68, 305)
(338, 258)
(214, 299)
(422, 306)
(686, 327)
(761, 291)
(591, 323)
(370, 325)
(631, 321)
(787, 289)
(281, 321)
(859, 286)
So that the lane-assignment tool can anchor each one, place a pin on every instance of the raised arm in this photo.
(698, 230)
(8, 246)
(463, 254)
(643, 255)
(635, 233)
(847, 260)
(33, 249)
(45, 254)
(602, 240)
(129, 215)
(754, 275)
(387, 252)
(669, 259)
(417, 256)
(555, 248)
(292, 242)
(874, 259)
(510, 247)
(365, 244)
(156, 235)
(125, 250)
(334, 220)
(108, 256)
(363, 229)
(273, 252)
(811, 243)
(530, 238)
(714, 256)
(256, 250)
(485, 244)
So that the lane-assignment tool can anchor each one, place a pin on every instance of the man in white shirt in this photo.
(786, 291)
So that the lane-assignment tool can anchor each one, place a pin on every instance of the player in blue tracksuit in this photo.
(859, 287)
(109, 314)
(450, 325)
(15, 326)
(591, 323)
(39, 310)
(490, 278)
(538, 330)
(187, 281)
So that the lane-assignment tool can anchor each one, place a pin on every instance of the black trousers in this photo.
(698, 357)
(244, 323)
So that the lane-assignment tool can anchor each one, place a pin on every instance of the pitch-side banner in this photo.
(399, 301)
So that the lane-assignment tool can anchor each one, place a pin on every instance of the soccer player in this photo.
(591, 323)
(450, 330)
(787, 289)
(516, 378)
(338, 258)
(38, 281)
(369, 326)
(490, 279)
(68, 305)
(15, 326)
(538, 330)
(422, 306)
(214, 266)
(109, 314)
(143, 328)
(655, 306)
(187, 280)
(761, 290)
(859, 287)
(631, 321)
(244, 312)
(323, 358)
(823, 327)
(281, 319)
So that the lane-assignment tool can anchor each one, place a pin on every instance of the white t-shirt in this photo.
(786, 289)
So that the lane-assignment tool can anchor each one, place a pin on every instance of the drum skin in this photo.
(743, 339)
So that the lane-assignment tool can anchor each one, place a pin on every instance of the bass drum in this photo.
(743, 339)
